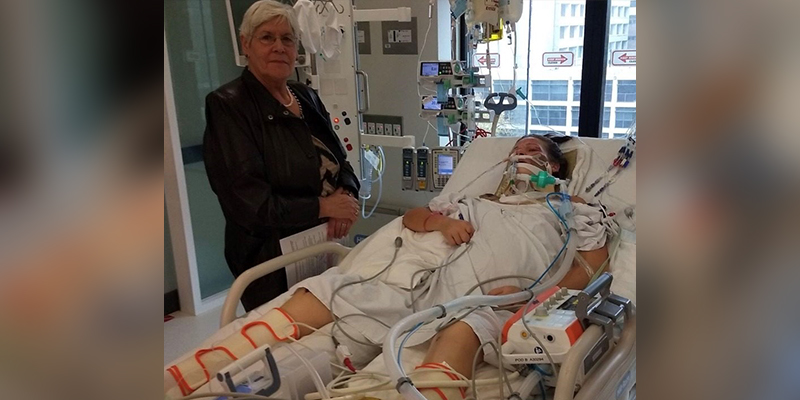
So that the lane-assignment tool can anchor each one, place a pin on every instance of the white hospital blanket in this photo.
(508, 240)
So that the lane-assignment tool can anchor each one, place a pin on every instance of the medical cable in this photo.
(482, 174)
(393, 365)
(398, 242)
(503, 375)
(381, 168)
(313, 372)
(566, 241)
(543, 389)
(403, 343)
(422, 50)
(431, 270)
(447, 324)
(315, 330)
(497, 278)
(538, 341)
(385, 383)
(235, 395)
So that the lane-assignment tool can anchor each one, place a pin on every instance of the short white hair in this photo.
(263, 11)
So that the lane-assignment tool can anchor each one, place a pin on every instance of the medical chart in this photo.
(311, 266)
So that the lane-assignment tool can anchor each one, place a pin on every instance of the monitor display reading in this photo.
(430, 69)
(445, 164)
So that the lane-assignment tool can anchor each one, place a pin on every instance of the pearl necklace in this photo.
(289, 104)
(299, 106)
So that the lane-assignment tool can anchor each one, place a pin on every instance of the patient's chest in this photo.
(511, 240)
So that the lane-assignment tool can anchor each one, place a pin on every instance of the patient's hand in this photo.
(456, 231)
(504, 290)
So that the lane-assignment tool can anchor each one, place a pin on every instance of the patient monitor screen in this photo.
(445, 164)
(429, 69)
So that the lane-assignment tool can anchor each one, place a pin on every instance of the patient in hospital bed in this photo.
(433, 255)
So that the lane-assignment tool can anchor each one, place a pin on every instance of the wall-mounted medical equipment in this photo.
(443, 162)
(421, 168)
(428, 69)
(407, 179)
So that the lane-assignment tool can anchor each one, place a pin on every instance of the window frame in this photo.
(596, 53)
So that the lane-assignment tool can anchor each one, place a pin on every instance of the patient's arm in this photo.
(577, 277)
(455, 231)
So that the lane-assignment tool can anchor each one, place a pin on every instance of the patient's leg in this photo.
(276, 325)
(456, 345)
(305, 308)
(452, 349)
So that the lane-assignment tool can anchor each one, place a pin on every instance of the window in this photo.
(580, 52)
(549, 90)
(606, 116)
(576, 112)
(563, 32)
(549, 115)
(572, 31)
(625, 117)
(574, 10)
(582, 27)
(564, 10)
(633, 3)
(576, 87)
(626, 91)
(583, 10)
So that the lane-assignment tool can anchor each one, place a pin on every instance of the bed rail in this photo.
(235, 293)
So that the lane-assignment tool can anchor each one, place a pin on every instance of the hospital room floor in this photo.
(185, 332)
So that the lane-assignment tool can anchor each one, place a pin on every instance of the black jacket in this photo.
(265, 175)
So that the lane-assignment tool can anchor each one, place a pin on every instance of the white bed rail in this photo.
(235, 293)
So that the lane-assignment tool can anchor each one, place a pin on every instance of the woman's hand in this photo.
(340, 204)
(504, 290)
(338, 228)
(455, 231)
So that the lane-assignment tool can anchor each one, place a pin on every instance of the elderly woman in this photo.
(496, 240)
(272, 157)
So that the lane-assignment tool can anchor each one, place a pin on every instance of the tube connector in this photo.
(402, 381)
(543, 179)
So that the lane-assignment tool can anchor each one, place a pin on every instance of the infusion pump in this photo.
(428, 169)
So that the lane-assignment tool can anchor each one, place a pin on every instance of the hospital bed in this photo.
(614, 376)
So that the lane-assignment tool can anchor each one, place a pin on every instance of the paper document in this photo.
(311, 266)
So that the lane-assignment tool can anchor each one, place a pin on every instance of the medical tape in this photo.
(186, 389)
(447, 371)
(295, 334)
